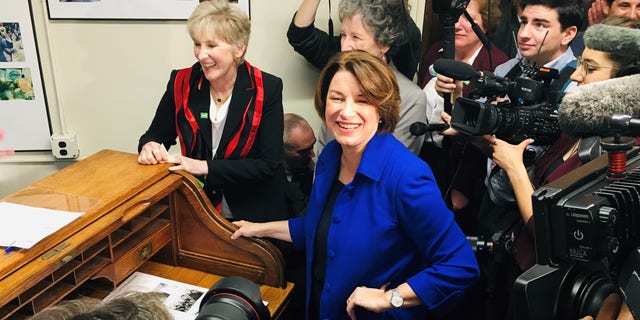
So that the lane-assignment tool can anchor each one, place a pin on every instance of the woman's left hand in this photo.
(193, 166)
(508, 156)
(369, 298)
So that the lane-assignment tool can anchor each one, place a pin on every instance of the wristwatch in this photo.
(396, 299)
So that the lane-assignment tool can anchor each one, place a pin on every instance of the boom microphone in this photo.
(587, 110)
(420, 128)
(457, 70)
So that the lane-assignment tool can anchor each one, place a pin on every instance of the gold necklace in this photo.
(220, 99)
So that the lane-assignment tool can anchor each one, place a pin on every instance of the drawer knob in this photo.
(145, 252)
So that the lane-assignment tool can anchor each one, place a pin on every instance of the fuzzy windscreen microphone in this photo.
(608, 38)
(587, 110)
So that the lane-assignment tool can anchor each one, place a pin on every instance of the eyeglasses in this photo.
(587, 68)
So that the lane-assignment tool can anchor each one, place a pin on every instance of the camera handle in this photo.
(449, 12)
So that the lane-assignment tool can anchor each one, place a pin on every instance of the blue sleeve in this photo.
(296, 230)
(452, 265)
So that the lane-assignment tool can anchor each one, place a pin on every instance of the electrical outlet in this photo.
(64, 146)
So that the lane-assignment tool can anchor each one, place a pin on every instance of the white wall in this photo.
(104, 78)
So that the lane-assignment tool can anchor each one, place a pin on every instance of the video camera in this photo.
(587, 239)
(530, 112)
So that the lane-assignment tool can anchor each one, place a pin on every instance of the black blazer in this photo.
(253, 186)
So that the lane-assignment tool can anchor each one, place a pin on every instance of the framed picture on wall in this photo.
(127, 9)
(24, 116)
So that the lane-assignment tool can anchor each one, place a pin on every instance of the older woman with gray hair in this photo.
(382, 28)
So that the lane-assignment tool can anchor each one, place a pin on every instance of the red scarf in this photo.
(243, 139)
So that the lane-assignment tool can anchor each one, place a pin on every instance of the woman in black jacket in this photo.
(228, 117)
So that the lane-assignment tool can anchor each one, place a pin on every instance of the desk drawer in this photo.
(129, 255)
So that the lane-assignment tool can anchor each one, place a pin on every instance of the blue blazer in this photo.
(389, 225)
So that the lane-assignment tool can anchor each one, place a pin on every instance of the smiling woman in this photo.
(377, 232)
(228, 117)
(382, 28)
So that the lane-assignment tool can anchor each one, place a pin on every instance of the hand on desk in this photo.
(155, 153)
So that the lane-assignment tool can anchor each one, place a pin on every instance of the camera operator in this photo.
(611, 51)
(546, 31)
(460, 170)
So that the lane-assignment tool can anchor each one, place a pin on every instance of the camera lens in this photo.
(233, 298)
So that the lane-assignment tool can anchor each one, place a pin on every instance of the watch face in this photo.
(396, 300)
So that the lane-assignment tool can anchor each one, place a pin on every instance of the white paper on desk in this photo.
(182, 299)
(23, 226)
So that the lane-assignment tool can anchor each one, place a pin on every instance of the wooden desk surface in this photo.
(277, 297)
(131, 212)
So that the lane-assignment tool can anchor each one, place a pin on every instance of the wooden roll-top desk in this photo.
(135, 217)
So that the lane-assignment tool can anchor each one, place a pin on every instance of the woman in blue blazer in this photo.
(380, 241)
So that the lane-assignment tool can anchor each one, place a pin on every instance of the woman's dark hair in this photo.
(619, 38)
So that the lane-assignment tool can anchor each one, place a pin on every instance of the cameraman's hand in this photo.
(446, 85)
(498, 100)
(612, 308)
(459, 200)
(508, 156)
(446, 118)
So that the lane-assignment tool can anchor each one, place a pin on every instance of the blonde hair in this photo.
(224, 20)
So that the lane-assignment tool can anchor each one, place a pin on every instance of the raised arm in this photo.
(315, 45)
(306, 13)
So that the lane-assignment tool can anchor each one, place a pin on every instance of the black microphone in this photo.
(420, 128)
(476, 29)
(457, 70)
(587, 110)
